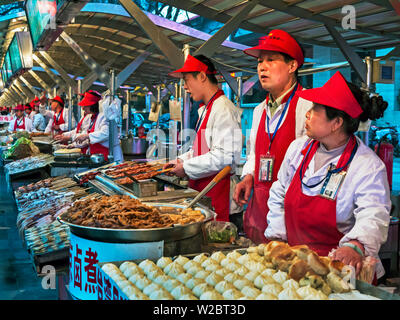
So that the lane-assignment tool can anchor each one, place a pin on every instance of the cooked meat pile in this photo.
(123, 212)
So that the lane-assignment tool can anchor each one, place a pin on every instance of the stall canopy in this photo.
(113, 38)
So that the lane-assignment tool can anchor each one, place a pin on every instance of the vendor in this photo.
(20, 122)
(43, 109)
(39, 122)
(277, 121)
(218, 141)
(96, 135)
(332, 189)
(59, 123)
(28, 111)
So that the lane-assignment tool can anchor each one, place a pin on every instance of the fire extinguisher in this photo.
(384, 150)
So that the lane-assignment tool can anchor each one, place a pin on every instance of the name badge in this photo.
(266, 168)
(332, 184)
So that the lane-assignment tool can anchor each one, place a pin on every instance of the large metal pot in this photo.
(134, 145)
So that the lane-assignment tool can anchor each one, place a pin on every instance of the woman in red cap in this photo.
(332, 190)
(20, 122)
(218, 141)
(29, 113)
(277, 121)
(96, 135)
(59, 123)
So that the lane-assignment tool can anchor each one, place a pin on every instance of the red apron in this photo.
(19, 126)
(97, 147)
(58, 121)
(78, 130)
(311, 220)
(219, 194)
(255, 218)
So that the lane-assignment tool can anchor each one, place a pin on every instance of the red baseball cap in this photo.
(28, 106)
(90, 98)
(59, 100)
(280, 41)
(19, 107)
(36, 99)
(191, 65)
(336, 94)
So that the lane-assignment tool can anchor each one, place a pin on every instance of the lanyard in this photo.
(206, 108)
(58, 116)
(330, 172)
(19, 122)
(92, 122)
(271, 139)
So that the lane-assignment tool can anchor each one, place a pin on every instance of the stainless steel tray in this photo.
(177, 232)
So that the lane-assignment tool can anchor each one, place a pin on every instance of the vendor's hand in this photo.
(172, 164)
(56, 127)
(242, 191)
(61, 138)
(82, 137)
(178, 170)
(349, 257)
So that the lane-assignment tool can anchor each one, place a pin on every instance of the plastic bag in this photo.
(111, 108)
(220, 231)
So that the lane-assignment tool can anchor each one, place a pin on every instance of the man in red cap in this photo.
(28, 111)
(59, 123)
(20, 122)
(94, 138)
(218, 141)
(276, 123)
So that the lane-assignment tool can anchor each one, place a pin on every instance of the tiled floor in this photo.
(18, 279)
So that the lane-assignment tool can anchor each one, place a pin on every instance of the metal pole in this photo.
(112, 124)
(128, 98)
(79, 92)
(186, 97)
(70, 102)
(239, 93)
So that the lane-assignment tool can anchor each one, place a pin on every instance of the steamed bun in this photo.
(179, 291)
(223, 286)
(142, 283)
(218, 256)
(211, 295)
(213, 279)
(200, 258)
(289, 294)
(161, 294)
(201, 288)
(191, 283)
(181, 260)
(266, 296)
(163, 262)
(250, 292)
(232, 294)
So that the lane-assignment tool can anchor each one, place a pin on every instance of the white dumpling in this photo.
(232, 277)
(233, 266)
(184, 277)
(194, 282)
(142, 283)
(211, 295)
(222, 272)
(260, 248)
(218, 256)
(226, 261)
(250, 291)
(317, 296)
(213, 279)
(145, 265)
(138, 296)
(193, 270)
(163, 262)
(266, 296)
(148, 290)
(200, 258)
(118, 277)
(256, 257)
(179, 291)
(130, 290)
(171, 284)
(223, 285)
(290, 283)
(289, 294)
(190, 264)
(161, 294)
(154, 274)
(254, 266)
(181, 260)
(123, 283)
(188, 297)
(202, 274)
(161, 279)
(234, 255)
(135, 277)
(251, 276)
(242, 271)
(232, 294)
(261, 281)
(107, 267)
(201, 288)
(174, 269)
(125, 264)
(241, 283)
(273, 288)
(252, 249)
(132, 268)
(243, 258)
(306, 291)
(268, 272)
(213, 267)
(207, 262)
(280, 276)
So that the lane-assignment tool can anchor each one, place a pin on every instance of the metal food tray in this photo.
(177, 232)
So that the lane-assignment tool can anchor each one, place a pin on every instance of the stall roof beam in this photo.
(232, 83)
(15, 94)
(89, 61)
(41, 82)
(10, 97)
(354, 59)
(29, 86)
(166, 46)
(20, 93)
(50, 73)
(210, 46)
(24, 89)
(249, 83)
(93, 76)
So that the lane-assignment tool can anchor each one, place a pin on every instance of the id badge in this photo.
(332, 185)
(266, 168)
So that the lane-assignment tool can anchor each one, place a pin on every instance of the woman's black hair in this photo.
(94, 108)
(28, 106)
(373, 108)
(210, 67)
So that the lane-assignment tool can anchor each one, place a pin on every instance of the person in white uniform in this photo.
(39, 122)
(20, 122)
(59, 123)
(332, 191)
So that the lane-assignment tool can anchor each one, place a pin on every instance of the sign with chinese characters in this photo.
(85, 254)
(6, 118)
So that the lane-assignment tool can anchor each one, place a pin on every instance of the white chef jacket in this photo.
(28, 125)
(47, 114)
(101, 135)
(223, 135)
(301, 109)
(64, 126)
(39, 123)
(84, 127)
(362, 204)
(32, 115)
